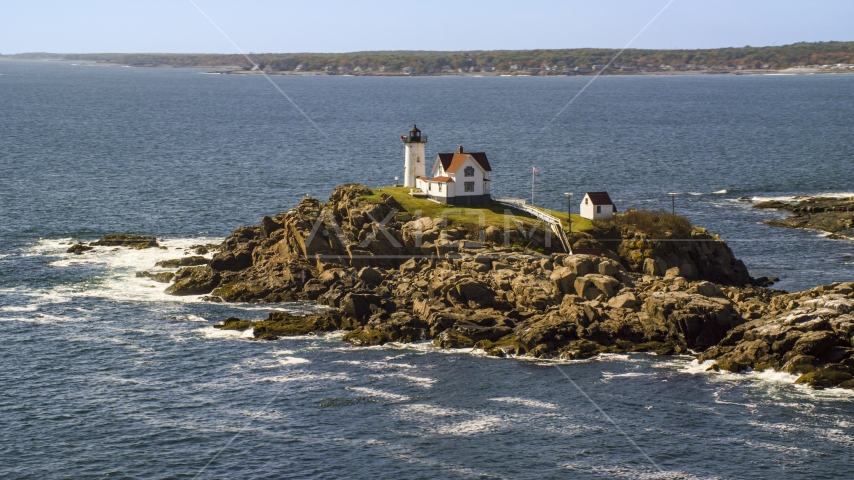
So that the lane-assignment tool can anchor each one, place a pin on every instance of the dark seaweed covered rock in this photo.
(162, 277)
(79, 248)
(191, 261)
(129, 241)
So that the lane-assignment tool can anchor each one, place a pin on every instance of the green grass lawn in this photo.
(492, 214)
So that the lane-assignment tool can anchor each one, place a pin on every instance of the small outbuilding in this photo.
(596, 205)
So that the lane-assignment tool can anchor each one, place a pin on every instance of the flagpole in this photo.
(532, 185)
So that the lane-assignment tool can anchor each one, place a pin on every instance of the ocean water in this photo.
(104, 375)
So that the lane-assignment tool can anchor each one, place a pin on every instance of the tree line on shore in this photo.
(581, 60)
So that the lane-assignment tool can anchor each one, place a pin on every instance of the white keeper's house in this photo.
(596, 205)
(458, 178)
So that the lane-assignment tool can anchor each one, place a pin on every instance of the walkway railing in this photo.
(554, 222)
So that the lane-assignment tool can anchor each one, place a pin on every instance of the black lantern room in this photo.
(414, 136)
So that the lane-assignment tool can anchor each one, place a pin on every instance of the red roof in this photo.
(440, 179)
(451, 162)
(600, 198)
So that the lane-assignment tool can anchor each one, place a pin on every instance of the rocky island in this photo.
(829, 214)
(392, 268)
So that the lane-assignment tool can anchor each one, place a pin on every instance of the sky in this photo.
(270, 26)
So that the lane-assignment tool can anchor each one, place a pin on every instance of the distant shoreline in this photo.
(797, 58)
(236, 70)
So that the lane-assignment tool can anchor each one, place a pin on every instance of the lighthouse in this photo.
(413, 156)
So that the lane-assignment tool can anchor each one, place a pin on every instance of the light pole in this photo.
(395, 181)
(569, 210)
(673, 202)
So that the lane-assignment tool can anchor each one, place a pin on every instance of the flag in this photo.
(535, 170)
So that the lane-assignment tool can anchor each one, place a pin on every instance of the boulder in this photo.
(564, 280)
(826, 377)
(626, 300)
(609, 268)
(582, 264)
(370, 276)
(359, 306)
(475, 292)
(701, 321)
(592, 285)
(194, 281)
(672, 273)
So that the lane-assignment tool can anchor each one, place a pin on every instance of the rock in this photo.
(626, 300)
(182, 262)
(826, 377)
(314, 288)
(370, 276)
(581, 265)
(654, 267)
(592, 285)
(672, 273)
(801, 364)
(564, 280)
(233, 260)
(815, 343)
(701, 321)
(269, 226)
(706, 289)
(475, 292)
(807, 332)
(466, 335)
(79, 248)
(409, 266)
(162, 277)
(359, 306)
(194, 281)
(283, 324)
(130, 241)
(609, 268)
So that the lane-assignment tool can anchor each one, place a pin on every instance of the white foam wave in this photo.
(424, 382)
(27, 308)
(795, 198)
(195, 318)
(293, 361)
(696, 194)
(719, 192)
(380, 394)
(210, 332)
(117, 279)
(525, 402)
(474, 423)
(300, 376)
(282, 352)
(476, 426)
(609, 375)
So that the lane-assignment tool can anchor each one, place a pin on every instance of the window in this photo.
(598, 209)
(587, 201)
(469, 186)
(429, 186)
(440, 187)
(417, 160)
(469, 172)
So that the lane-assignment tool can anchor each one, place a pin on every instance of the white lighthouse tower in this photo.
(413, 156)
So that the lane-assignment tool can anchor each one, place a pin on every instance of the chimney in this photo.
(461, 149)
